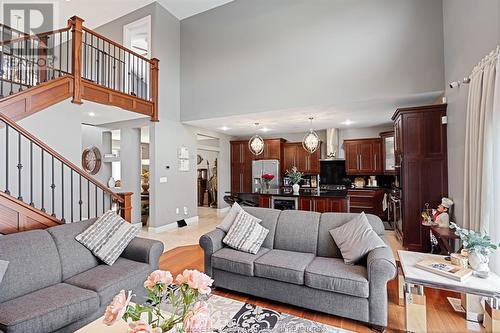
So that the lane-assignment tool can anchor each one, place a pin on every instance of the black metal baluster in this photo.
(53, 52)
(1, 63)
(123, 70)
(60, 53)
(103, 202)
(11, 70)
(71, 194)
(92, 57)
(32, 204)
(62, 192)
(80, 202)
(108, 84)
(114, 67)
(19, 166)
(53, 187)
(88, 199)
(129, 77)
(97, 61)
(85, 54)
(33, 63)
(20, 66)
(43, 180)
(67, 52)
(7, 191)
(95, 200)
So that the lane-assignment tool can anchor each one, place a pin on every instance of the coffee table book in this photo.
(445, 268)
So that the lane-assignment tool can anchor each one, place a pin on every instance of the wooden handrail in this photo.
(35, 36)
(58, 156)
(107, 40)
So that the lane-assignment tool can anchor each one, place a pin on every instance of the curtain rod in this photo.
(466, 80)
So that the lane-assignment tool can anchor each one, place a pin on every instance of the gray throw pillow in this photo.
(3, 268)
(356, 238)
(108, 237)
(229, 218)
(246, 234)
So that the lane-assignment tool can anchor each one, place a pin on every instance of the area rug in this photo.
(231, 316)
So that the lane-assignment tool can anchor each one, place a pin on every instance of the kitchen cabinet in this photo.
(265, 201)
(323, 204)
(295, 155)
(388, 153)
(363, 156)
(368, 201)
(273, 150)
(241, 167)
(421, 152)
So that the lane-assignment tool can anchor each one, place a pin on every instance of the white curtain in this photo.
(482, 152)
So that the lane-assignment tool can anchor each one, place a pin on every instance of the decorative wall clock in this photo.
(91, 160)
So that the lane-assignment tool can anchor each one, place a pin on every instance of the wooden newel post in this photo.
(154, 88)
(76, 57)
(126, 206)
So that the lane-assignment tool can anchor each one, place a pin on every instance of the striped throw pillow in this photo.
(246, 234)
(108, 237)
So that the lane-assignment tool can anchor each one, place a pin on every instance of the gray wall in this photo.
(259, 55)
(471, 31)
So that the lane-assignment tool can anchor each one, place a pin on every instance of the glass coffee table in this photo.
(415, 279)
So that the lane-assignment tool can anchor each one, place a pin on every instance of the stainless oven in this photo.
(284, 203)
(396, 210)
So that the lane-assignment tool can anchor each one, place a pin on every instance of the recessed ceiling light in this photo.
(225, 128)
(347, 122)
(265, 129)
(91, 114)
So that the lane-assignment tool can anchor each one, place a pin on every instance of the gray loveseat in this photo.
(300, 264)
(54, 284)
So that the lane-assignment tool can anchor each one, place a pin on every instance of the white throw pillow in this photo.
(3, 268)
(108, 237)
(356, 238)
(246, 234)
(229, 218)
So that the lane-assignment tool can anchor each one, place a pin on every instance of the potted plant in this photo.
(266, 179)
(478, 248)
(295, 177)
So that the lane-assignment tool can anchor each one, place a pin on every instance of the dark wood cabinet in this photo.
(421, 151)
(241, 167)
(295, 155)
(265, 201)
(363, 156)
(323, 205)
(368, 201)
(388, 153)
(273, 150)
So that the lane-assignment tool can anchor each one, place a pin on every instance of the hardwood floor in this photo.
(440, 315)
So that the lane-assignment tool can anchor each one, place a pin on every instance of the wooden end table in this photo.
(415, 279)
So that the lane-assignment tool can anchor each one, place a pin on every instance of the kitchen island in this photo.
(308, 199)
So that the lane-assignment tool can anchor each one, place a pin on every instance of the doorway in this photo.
(137, 36)
(206, 159)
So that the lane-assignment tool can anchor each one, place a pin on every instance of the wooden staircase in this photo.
(40, 188)
(40, 70)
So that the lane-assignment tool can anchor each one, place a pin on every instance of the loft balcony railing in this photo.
(92, 61)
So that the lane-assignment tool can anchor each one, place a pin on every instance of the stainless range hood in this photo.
(332, 144)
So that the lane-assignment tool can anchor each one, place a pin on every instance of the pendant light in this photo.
(311, 140)
(256, 143)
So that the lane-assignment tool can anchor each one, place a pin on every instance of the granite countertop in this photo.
(303, 193)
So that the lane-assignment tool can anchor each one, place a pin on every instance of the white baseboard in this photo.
(192, 220)
(223, 210)
(172, 226)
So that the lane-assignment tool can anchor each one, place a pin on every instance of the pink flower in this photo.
(157, 277)
(196, 280)
(117, 308)
(141, 326)
(198, 319)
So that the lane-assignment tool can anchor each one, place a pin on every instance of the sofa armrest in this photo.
(144, 250)
(212, 242)
(381, 268)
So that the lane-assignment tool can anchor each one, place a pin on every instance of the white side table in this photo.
(415, 279)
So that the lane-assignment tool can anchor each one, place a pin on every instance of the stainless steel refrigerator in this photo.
(265, 166)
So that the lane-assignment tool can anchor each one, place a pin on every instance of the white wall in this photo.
(258, 55)
(471, 31)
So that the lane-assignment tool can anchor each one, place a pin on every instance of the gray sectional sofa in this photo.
(300, 264)
(55, 284)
